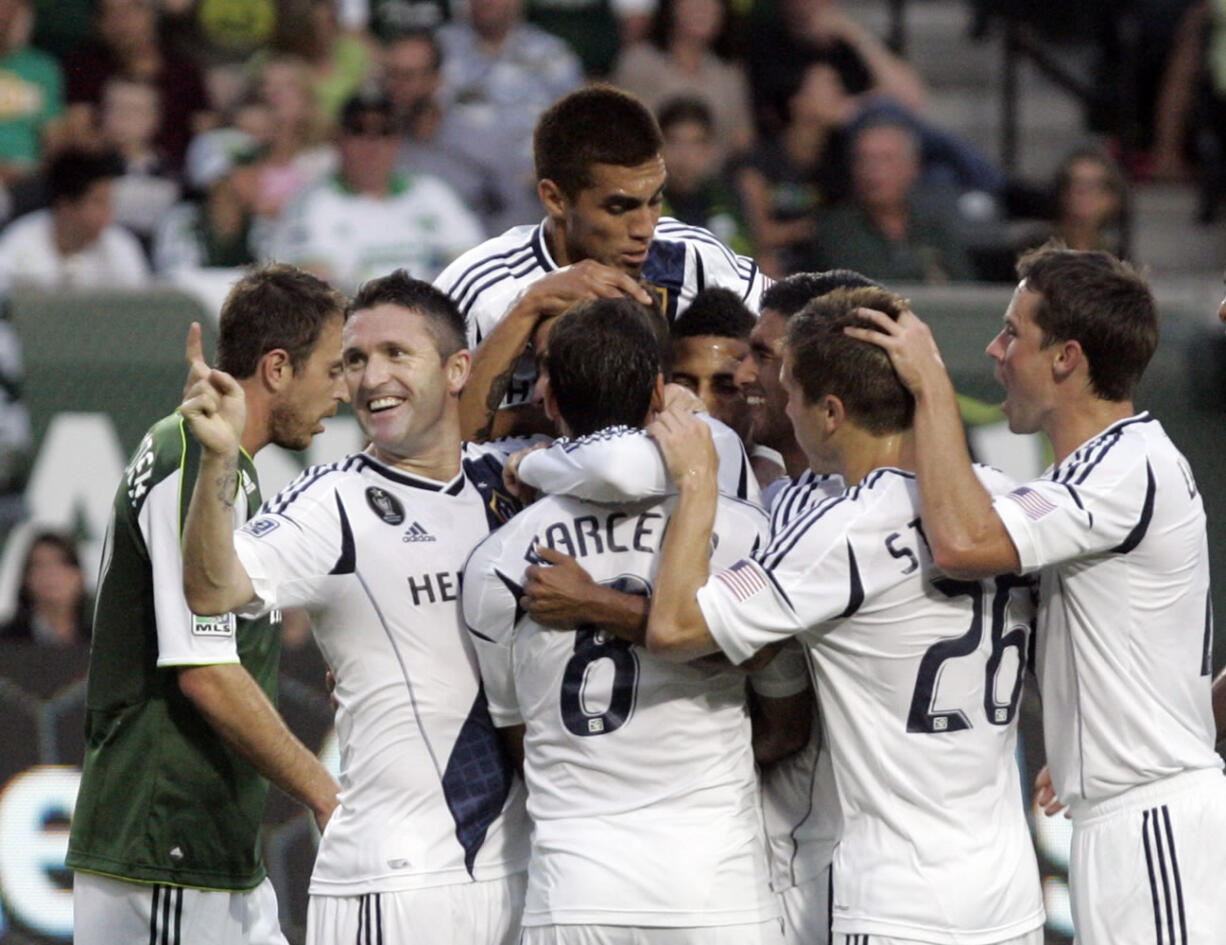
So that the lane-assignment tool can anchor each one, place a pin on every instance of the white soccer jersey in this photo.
(420, 224)
(640, 772)
(919, 678)
(623, 464)
(428, 797)
(1125, 628)
(800, 806)
(682, 261)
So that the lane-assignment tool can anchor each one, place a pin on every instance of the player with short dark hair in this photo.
(182, 735)
(910, 667)
(1115, 531)
(429, 842)
(625, 773)
(710, 339)
(600, 178)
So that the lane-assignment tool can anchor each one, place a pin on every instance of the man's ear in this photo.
(657, 396)
(1069, 357)
(276, 369)
(456, 370)
(552, 198)
(833, 413)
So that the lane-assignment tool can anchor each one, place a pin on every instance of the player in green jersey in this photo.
(182, 736)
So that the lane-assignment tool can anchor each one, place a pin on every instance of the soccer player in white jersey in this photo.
(640, 771)
(429, 842)
(919, 675)
(600, 179)
(1116, 530)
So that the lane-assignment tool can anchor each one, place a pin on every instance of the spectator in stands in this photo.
(219, 43)
(131, 113)
(31, 93)
(682, 58)
(385, 20)
(74, 244)
(441, 141)
(52, 606)
(337, 62)
(217, 230)
(695, 191)
(891, 229)
(128, 45)
(500, 73)
(595, 29)
(780, 47)
(788, 176)
(297, 152)
(1090, 197)
(369, 219)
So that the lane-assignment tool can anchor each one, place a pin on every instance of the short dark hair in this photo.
(788, 296)
(826, 361)
(74, 171)
(1100, 302)
(444, 321)
(603, 359)
(718, 312)
(594, 125)
(682, 109)
(276, 306)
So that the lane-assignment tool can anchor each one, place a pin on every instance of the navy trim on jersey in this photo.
(696, 234)
(700, 274)
(463, 291)
(485, 473)
(451, 487)
(1147, 513)
(527, 264)
(287, 496)
(781, 544)
(855, 594)
(1206, 660)
(541, 249)
(517, 592)
(742, 484)
(346, 561)
(477, 781)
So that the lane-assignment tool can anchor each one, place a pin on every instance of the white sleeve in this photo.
(623, 464)
(183, 638)
(490, 608)
(805, 576)
(720, 266)
(295, 541)
(785, 675)
(1079, 512)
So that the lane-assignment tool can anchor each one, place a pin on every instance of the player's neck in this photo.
(435, 456)
(1074, 424)
(555, 240)
(863, 452)
(256, 433)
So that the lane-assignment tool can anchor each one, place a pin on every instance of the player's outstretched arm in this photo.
(562, 595)
(676, 627)
(967, 537)
(214, 581)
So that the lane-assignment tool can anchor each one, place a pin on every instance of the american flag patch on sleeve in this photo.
(744, 579)
(1033, 503)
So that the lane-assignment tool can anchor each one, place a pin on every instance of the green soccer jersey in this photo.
(163, 799)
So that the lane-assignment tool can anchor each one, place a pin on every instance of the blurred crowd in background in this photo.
(144, 138)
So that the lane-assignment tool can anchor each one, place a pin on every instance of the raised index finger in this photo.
(195, 345)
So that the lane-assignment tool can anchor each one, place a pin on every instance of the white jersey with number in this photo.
(640, 772)
(1125, 628)
(375, 555)
(919, 678)
(681, 261)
